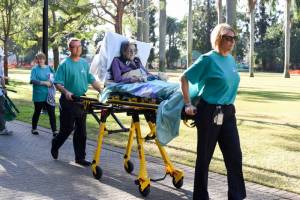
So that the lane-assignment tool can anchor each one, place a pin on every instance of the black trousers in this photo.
(228, 139)
(72, 117)
(38, 106)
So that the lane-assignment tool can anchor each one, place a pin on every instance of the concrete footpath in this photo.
(27, 171)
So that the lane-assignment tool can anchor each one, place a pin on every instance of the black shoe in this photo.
(34, 132)
(54, 152)
(83, 162)
(55, 133)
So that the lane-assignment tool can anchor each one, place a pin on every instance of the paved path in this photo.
(27, 171)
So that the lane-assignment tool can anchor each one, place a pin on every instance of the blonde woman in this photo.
(40, 78)
(216, 76)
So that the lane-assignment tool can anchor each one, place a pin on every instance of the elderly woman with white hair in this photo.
(215, 74)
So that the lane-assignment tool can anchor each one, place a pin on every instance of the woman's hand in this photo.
(190, 109)
(47, 83)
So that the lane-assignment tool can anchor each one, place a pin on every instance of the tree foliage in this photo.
(112, 12)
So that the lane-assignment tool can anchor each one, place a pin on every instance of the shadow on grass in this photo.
(240, 121)
(256, 96)
(290, 138)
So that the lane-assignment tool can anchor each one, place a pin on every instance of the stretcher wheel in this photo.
(178, 184)
(145, 192)
(129, 167)
(98, 173)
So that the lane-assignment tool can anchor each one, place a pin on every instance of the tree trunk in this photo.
(189, 35)
(251, 50)
(219, 11)
(287, 29)
(162, 35)
(139, 18)
(55, 56)
(231, 13)
(146, 21)
(119, 19)
(5, 61)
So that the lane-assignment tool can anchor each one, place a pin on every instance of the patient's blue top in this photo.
(74, 76)
(216, 78)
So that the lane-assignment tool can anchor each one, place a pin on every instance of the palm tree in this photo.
(162, 35)
(251, 8)
(219, 11)
(189, 35)
(139, 18)
(287, 29)
(146, 21)
(231, 12)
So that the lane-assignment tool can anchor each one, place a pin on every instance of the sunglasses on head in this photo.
(229, 38)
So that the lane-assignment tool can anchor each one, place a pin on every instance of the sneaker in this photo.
(5, 132)
(83, 162)
(34, 132)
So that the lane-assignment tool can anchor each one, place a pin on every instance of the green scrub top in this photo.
(74, 76)
(215, 77)
(40, 92)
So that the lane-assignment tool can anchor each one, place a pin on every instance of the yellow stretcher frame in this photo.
(134, 107)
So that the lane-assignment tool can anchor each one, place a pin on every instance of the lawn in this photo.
(268, 113)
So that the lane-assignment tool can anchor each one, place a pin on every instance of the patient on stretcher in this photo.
(128, 68)
(115, 66)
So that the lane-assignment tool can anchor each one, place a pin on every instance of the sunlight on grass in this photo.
(268, 113)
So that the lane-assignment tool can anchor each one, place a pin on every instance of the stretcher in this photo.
(134, 106)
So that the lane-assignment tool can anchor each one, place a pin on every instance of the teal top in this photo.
(40, 92)
(74, 76)
(215, 77)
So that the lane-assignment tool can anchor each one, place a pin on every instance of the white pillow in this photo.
(109, 50)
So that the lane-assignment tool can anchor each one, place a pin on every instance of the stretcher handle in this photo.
(81, 98)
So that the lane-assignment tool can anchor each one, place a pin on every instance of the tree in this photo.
(204, 19)
(162, 34)
(251, 8)
(146, 21)
(189, 34)
(70, 18)
(173, 29)
(142, 14)
(287, 29)
(231, 12)
(219, 11)
(115, 9)
(10, 25)
(152, 35)
(139, 19)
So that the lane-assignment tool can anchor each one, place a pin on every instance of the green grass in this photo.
(268, 113)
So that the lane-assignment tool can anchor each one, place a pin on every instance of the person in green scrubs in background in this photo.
(41, 80)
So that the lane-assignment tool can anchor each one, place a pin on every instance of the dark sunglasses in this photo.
(229, 38)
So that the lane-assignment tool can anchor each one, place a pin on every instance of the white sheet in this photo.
(111, 48)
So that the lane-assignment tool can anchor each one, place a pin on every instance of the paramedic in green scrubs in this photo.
(72, 79)
(216, 77)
